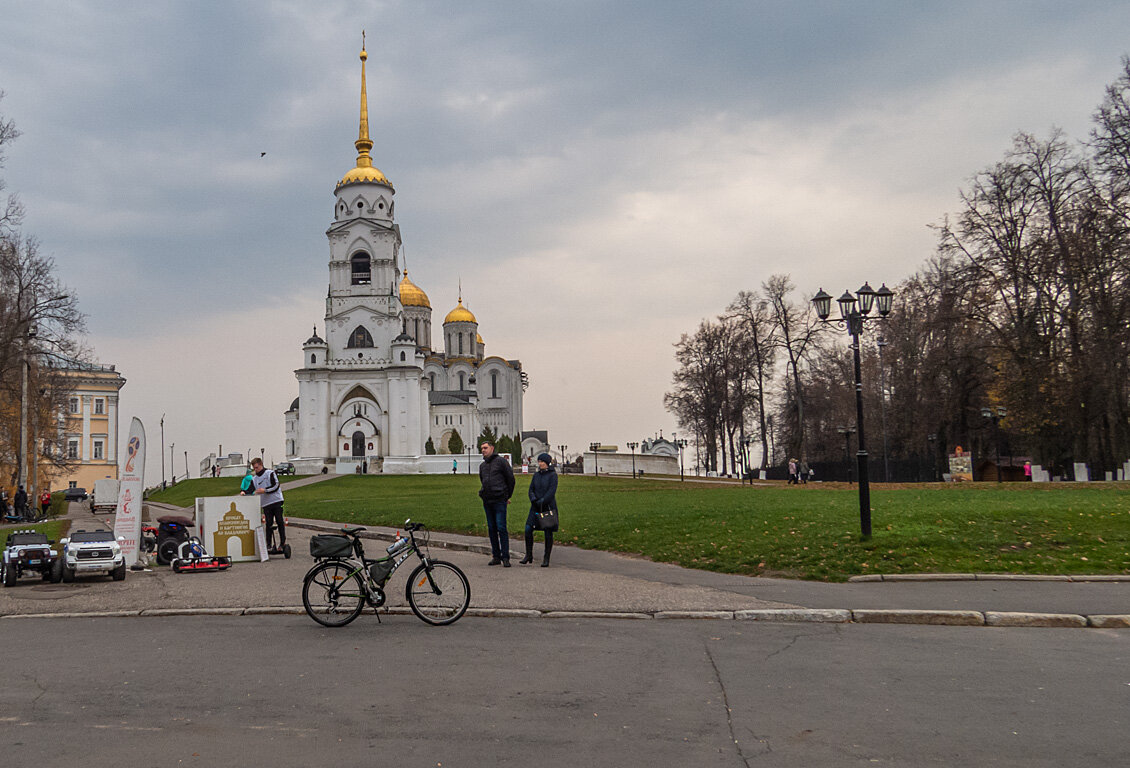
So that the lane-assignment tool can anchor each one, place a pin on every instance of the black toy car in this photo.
(284, 468)
(28, 551)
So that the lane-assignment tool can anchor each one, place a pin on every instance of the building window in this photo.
(74, 405)
(402, 358)
(494, 383)
(360, 270)
(360, 338)
(72, 449)
(460, 377)
(99, 406)
(98, 450)
(313, 359)
(460, 346)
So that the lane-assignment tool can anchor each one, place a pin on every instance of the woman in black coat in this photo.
(543, 496)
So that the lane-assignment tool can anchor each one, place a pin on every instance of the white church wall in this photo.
(621, 463)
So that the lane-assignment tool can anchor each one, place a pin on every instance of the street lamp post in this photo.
(681, 443)
(847, 432)
(172, 468)
(853, 315)
(881, 342)
(632, 447)
(995, 416)
(595, 463)
(562, 448)
(162, 450)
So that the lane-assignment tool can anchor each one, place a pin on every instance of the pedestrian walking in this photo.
(44, 502)
(792, 471)
(454, 466)
(271, 500)
(804, 472)
(543, 498)
(496, 477)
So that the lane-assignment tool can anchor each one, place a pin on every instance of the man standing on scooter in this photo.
(271, 500)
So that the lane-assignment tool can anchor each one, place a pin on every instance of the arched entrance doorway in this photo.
(358, 444)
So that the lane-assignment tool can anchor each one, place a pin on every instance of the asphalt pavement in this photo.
(588, 583)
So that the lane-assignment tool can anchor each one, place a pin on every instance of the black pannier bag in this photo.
(328, 545)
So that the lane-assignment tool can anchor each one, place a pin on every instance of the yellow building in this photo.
(88, 428)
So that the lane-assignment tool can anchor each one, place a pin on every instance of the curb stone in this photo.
(770, 615)
(1022, 619)
(515, 613)
(1121, 621)
(893, 616)
(278, 610)
(593, 615)
(694, 614)
(74, 615)
(191, 612)
(810, 615)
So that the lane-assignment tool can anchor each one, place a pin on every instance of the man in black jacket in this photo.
(497, 479)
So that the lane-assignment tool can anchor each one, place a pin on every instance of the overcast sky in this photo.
(601, 176)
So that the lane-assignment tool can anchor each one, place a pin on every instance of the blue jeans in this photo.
(496, 527)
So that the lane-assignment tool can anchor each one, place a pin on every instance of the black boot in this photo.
(529, 558)
(548, 549)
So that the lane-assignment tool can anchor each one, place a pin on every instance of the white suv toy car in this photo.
(91, 552)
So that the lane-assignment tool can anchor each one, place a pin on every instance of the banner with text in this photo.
(127, 522)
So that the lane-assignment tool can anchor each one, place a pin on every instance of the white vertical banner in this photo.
(127, 521)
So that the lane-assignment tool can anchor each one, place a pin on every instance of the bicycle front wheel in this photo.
(333, 594)
(439, 594)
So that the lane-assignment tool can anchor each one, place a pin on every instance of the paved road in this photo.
(281, 691)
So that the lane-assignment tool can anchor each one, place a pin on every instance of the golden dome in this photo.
(478, 339)
(411, 295)
(368, 174)
(460, 315)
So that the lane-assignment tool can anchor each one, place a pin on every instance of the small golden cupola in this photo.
(411, 295)
(365, 172)
(460, 315)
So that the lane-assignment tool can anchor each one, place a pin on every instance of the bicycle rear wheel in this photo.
(439, 596)
(332, 594)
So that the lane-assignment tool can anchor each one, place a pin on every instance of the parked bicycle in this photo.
(344, 581)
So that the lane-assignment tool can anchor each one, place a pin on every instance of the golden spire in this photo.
(364, 143)
(365, 171)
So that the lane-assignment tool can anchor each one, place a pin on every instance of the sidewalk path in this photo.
(581, 582)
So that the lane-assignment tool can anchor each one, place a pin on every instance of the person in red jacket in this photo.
(44, 502)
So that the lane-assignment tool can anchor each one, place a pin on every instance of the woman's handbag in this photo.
(546, 519)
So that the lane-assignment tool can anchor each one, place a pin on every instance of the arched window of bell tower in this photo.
(360, 338)
(361, 271)
(460, 346)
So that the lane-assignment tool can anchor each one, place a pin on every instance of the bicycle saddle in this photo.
(352, 531)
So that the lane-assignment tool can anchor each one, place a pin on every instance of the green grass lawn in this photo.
(809, 532)
(55, 529)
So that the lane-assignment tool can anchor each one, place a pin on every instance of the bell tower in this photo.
(363, 307)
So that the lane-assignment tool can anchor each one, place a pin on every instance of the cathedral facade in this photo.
(375, 391)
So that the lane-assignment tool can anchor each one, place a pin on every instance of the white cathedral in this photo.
(373, 391)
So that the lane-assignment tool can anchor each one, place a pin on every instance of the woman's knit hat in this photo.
(546, 458)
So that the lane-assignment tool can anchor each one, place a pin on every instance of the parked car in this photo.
(27, 552)
(75, 494)
(90, 552)
(284, 468)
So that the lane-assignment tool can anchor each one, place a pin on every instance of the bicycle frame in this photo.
(398, 559)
